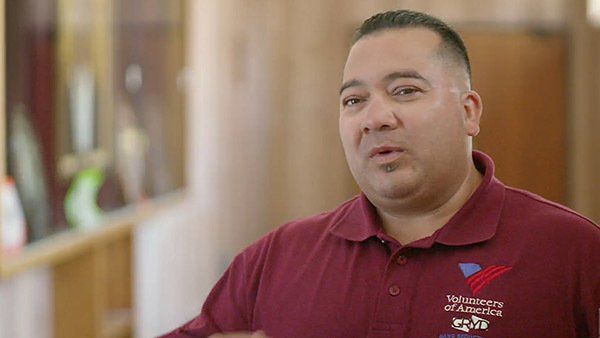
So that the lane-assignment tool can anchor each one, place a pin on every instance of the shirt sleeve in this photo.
(226, 308)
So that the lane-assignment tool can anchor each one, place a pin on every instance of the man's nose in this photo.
(379, 115)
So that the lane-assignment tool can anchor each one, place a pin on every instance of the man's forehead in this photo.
(399, 49)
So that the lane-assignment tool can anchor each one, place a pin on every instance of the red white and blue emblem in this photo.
(478, 278)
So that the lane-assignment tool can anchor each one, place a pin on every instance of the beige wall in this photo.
(26, 305)
(584, 118)
(486, 12)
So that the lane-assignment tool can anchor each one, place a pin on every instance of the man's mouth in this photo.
(385, 154)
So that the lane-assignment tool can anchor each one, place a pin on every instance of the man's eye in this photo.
(405, 91)
(351, 101)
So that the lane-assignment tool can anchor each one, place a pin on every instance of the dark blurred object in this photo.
(25, 164)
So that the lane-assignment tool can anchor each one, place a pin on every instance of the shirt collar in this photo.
(357, 220)
(475, 222)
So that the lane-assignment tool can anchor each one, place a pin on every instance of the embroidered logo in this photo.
(478, 278)
(468, 324)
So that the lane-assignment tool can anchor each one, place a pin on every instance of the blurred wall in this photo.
(262, 139)
(584, 112)
(26, 305)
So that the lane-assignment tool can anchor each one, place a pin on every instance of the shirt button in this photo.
(401, 260)
(394, 290)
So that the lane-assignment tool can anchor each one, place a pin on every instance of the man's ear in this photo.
(472, 109)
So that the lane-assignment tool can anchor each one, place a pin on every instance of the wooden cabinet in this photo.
(522, 77)
(91, 135)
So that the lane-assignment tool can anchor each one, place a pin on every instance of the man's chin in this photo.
(394, 188)
(391, 183)
(396, 193)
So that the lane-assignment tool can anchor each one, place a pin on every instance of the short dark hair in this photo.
(452, 42)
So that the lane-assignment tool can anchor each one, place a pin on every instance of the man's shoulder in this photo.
(540, 214)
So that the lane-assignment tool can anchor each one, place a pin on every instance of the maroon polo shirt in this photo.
(508, 264)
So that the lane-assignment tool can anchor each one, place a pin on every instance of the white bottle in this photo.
(14, 230)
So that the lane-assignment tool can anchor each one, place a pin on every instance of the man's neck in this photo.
(409, 227)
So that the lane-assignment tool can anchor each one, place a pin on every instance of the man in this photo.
(435, 245)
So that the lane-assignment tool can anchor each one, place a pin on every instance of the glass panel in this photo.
(94, 110)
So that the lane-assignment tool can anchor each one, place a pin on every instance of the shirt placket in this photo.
(389, 318)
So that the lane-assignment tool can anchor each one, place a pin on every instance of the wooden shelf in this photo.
(92, 270)
(65, 245)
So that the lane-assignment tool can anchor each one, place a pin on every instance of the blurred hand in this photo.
(257, 334)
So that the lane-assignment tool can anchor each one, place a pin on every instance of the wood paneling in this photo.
(521, 76)
(92, 292)
(119, 267)
(79, 296)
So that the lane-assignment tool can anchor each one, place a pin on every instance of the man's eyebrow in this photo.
(351, 83)
(411, 74)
